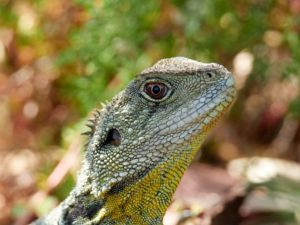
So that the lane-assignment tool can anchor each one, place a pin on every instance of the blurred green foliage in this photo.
(119, 39)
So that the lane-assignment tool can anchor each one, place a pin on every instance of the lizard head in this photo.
(161, 118)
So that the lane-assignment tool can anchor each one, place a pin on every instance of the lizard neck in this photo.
(143, 202)
(146, 201)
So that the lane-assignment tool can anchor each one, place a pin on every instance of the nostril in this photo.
(209, 74)
(113, 137)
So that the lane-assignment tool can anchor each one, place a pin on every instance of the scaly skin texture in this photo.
(139, 146)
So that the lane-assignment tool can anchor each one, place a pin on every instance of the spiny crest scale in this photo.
(91, 123)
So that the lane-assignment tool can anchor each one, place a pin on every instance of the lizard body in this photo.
(143, 141)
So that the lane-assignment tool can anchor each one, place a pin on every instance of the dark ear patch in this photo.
(113, 138)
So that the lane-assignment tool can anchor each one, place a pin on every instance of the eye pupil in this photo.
(156, 89)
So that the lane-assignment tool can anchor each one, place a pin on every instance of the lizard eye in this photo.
(156, 90)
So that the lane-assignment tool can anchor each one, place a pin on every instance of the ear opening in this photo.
(113, 138)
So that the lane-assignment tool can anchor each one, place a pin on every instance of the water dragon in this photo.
(142, 142)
